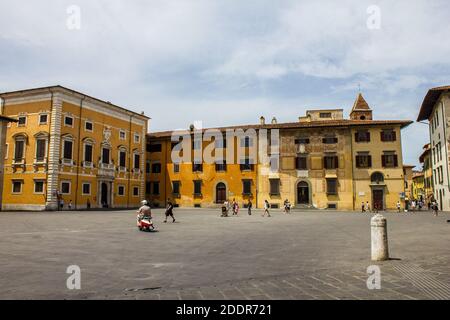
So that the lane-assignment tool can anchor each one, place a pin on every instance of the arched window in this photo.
(20, 141)
(377, 177)
(41, 146)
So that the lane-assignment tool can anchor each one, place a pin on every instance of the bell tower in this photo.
(360, 110)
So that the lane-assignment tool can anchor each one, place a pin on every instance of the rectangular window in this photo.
(67, 149)
(121, 190)
(329, 140)
(332, 186)
(155, 189)
(40, 149)
(388, 135)
(22, 121)
(176, 167)
(197, 167)
(246, 166)
(65, 187)
(86, 188)
(325, 115)
(68, 121)
(197, 187)
(105, 155)
(135, 191)
(221, 166)
(154, 147)
(156, 168)
(246, 187)
(363, 161)
(274, 187)
(19, 150)
(137, 160)
(176, 187)
(148, 187)
(88, 153)
(389, 160)
(302, 141)
(330, 162)
(17, 186)
(147, 167)
(362, 136)
(88, 126)
(38, 186)
(137, 138)
(122, 159)
(122, 135)
(43, 118)
(301, 163)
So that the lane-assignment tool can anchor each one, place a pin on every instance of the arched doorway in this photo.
(221, 192)
(104, 195)
(302, 193)
(377, 184)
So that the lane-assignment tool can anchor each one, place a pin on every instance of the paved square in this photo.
(303, 255)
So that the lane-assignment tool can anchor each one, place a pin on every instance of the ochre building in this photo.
(72, 150)
(324, 161)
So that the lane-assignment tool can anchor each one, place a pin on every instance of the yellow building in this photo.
(4, 122)
(408, 173)
(72, 149)
(322, 161)
(418, 186)
(425, 159)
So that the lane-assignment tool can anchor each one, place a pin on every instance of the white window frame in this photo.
(118, 158)
(26, 120)
(64, 139)
(85, 143)
(46, 148)
(70, 187)
(118, 188)
(20, 138)
(82, 188)
(39, 118)
(137, 138)
(6, 150)
(73, 121)
(12, 186)
(124, 134)
(91, 122)
(134, 188)
(43, 186)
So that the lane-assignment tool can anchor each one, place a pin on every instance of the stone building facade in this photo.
(71, 148)
(324, 161)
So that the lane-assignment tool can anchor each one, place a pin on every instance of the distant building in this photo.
(325, 161)
(408, 176)
(425, 160)
(69, 147)
(417, 186)
(436, 109)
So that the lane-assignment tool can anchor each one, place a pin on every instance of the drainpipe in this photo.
(129, 163)
(353, 168)
(78, 153)
(48, 146)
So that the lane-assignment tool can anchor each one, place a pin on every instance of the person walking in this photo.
(367, 207)
(435, 208)
(233, 207)
(363, 207)
(398, 206)
(266, 208)
(61, 204)
(70, 205)
(249, 207)
(169, 211)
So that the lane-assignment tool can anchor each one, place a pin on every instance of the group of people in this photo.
(234, 207)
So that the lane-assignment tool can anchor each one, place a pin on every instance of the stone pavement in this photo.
(304, 255)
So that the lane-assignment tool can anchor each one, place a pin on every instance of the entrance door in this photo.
(221, 193)
(377, 198)
(104, 195)
(302, 193)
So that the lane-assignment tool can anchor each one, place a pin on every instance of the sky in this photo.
(226, 62)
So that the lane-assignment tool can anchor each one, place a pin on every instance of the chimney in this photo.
(274, 120)
(262, 120)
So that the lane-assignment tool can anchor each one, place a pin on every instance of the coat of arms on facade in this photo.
(106, 134)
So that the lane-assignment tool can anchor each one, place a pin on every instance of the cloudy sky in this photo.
(228, 62)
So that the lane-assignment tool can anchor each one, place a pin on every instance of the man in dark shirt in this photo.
(169, 210)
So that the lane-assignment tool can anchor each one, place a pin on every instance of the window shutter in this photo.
(357, 162)
(383, 161)
(356, 137)
(368, 136)
(336, 162)
(370, 161)
(394, 137)
(382, 136)
(395, 161)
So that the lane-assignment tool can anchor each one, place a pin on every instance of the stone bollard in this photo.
(378, 227)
